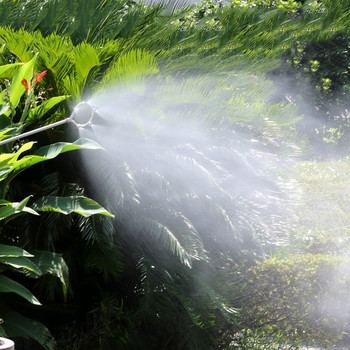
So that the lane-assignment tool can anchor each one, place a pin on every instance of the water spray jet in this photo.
(82, 116)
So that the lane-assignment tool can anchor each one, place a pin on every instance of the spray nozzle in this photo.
(83, 115)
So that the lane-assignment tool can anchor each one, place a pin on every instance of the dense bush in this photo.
(306, 297)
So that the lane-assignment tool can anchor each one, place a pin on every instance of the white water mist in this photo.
(186, 150)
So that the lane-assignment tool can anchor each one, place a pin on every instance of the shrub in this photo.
(304, 296)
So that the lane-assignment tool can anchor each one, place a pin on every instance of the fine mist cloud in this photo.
(183, 154)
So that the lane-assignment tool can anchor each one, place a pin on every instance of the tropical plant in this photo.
(159, 266)
(14, 259)
(90, 20)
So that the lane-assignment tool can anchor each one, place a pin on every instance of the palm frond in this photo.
(133, 65)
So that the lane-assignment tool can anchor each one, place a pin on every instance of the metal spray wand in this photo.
(81, 107)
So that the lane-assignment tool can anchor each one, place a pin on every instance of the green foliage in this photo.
(151, 277)
(316, 75)
(19, 327)
(322, 221)
(74, 70)
(303, 296)
(90, 20)
(14, 260)
(248, 339)
(67, 205)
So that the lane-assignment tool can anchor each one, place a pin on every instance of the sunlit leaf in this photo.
(8, 285)
(16, 208)
(21, 263)
(52, 151)
(38, 112)
(17, 89)
(6, 67)
(12, 251)
(72, 204)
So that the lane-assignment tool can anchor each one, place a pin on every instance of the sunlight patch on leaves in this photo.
(72, 204)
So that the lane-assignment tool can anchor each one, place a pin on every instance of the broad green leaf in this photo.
(67, 205)
(12, 251)
(4, 108)
(2, 331)
(42, 154)
(4, 172)
(8, 285)
(17, 89)
(54, 264)
(15, 208)
(26, 147)
(52, 151)
(38, 112)
(5, 159)
(9, 158)
(21, 263)
(4, 132)
(4, 68)
(19, 326)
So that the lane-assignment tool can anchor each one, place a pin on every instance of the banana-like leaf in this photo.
(72, 204)
(15, 208)
(8, 285)
(4, 108)
(54, 264)
(16, 325)
(4, 132)
(4, 171)
(4, 68)
(41, 155)
(7, 159)
(38, 112)
(2, 331)
(12, 251)
(21, 263)
(17, 89)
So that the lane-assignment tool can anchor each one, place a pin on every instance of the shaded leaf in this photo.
(167, 237)
(54, 264)
(17, 325)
